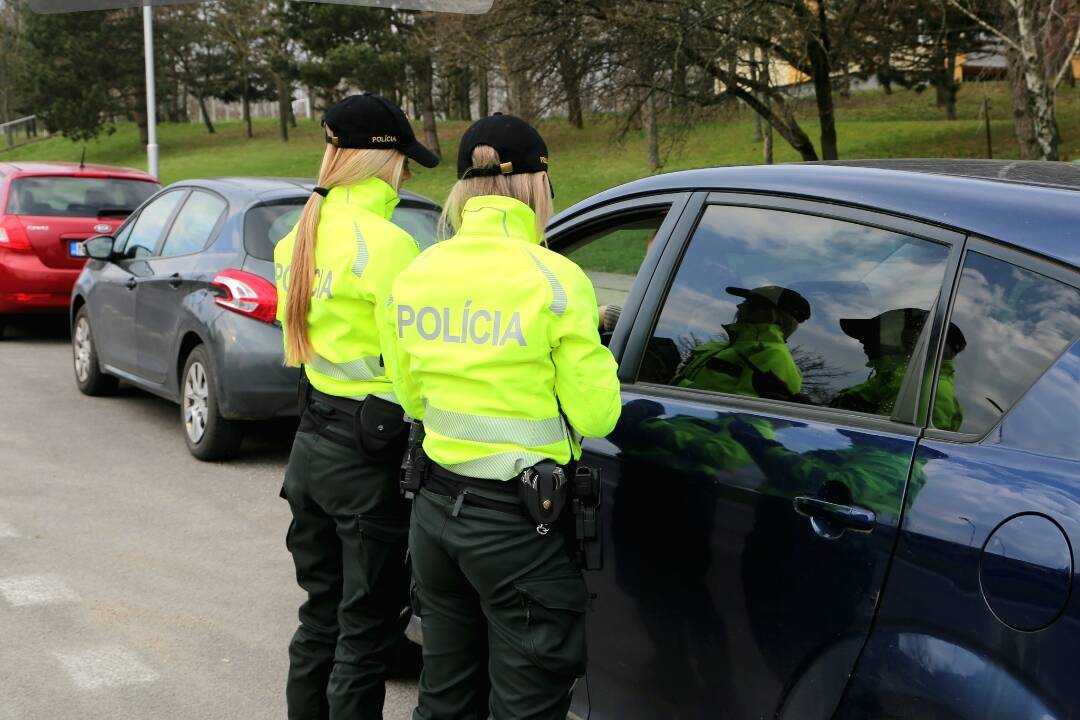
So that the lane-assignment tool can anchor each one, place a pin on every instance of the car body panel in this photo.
(970, 611)
(41, 280)
(145, 332)
(1040, 219)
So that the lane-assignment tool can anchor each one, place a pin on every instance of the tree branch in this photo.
(1060, 74)
(986, 26)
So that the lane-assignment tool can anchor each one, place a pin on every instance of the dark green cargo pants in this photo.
(348, 542)
(495, 598)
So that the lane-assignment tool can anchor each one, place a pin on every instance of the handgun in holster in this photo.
(414, 465)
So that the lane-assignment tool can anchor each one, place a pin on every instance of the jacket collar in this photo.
(755, 332)
(500, 216)
(374, 195)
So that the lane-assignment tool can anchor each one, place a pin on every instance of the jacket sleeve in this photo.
(586, 380)
(386, 260)
(398, 370)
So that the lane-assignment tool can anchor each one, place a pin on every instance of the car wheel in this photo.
(208, 435)
(88, 375)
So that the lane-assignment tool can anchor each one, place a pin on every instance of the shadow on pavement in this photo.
(36, 328)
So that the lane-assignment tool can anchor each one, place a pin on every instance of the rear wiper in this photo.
(114, 212)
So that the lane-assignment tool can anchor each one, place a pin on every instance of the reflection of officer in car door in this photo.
(888, 340)
(498, 354)
(348, 534)
(755, 359)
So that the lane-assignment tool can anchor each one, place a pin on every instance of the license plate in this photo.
(76, 248)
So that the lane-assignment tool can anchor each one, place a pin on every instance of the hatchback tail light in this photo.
(246, 293)
(12, 234)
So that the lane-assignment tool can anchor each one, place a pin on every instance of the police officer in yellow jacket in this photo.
(499, 355)
(348, 535)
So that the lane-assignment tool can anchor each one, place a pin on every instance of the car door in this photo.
(749, 524)
(979, 617)
(113, 302)
(171, 277)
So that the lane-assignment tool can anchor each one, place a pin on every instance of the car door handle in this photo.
(850, 517)
(175, 280)
(131, 283)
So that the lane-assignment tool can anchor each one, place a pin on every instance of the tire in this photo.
(208, 435)
(88, 375)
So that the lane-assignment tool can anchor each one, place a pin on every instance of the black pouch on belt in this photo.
(542, 491)
(378, 425)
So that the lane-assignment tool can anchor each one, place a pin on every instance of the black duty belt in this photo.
(492, 494)
(345, 405)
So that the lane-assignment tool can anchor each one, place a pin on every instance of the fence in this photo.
(20, 131)
(234, 111)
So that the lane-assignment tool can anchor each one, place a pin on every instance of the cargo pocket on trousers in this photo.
(383, 542)
(555, 623)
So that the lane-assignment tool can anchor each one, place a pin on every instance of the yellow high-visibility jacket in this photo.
(494, 335)
(358, 253)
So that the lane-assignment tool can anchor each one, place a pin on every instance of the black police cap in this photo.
(371, 122)
(782, 298)
(520, 147)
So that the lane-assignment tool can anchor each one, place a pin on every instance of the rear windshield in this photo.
(266, 225)
(77, 197)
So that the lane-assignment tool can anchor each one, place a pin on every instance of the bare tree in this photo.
(1024, 27)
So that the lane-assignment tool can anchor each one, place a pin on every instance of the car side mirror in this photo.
(100, 247)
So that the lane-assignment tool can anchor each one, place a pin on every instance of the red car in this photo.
(46, 211)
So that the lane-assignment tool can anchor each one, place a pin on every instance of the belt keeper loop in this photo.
(458, 503)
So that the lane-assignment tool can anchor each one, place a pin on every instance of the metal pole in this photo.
(151, 102)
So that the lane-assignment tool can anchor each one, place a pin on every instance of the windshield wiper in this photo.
(114, 212)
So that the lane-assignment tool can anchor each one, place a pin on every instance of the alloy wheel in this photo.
(83, 349)
(196, 402)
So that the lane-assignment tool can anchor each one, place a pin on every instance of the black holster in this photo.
(588, 533)
(542, 491)
(415, 463)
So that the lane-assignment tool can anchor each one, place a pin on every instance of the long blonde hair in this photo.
(530, 188)
(340, 166)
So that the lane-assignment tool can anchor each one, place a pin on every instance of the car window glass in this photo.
(122, 237)
(1008, 326)
(612, 255)
(77, 196)
(779, 305)
(421, 223)
(265, 226)
(148, 226)
(193, 225)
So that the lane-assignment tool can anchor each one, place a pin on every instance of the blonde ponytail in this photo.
(339, 167)
(530, 188)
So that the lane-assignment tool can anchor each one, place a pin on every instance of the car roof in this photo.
(1033, 205)
(26, 169)
(253, 189)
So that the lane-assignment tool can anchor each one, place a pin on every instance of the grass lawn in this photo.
(870, 124)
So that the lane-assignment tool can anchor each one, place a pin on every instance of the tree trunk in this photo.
(424, 82)
(765, 80)
(756, 74)
(1040, 94)
(205, 114)
(951, 86)
(652, 131)
(571, 86)
(521, 92)
(482, 90)
(246, 103)
(821, 69)
(461, 87)
(284, 102)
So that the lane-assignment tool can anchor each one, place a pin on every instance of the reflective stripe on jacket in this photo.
(494, 334)
(358, 253)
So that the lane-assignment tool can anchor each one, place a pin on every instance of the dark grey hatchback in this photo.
(181, 303)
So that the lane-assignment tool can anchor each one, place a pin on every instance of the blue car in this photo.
(181, 302)
(846, 481)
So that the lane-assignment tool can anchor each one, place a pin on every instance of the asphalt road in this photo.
(135, 581)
